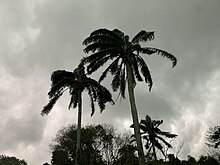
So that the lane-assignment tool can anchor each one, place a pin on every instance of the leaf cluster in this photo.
(105, 45)
(76, 82)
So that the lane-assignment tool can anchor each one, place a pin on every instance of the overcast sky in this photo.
(38, 37)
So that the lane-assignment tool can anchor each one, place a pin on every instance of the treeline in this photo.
(105, 145)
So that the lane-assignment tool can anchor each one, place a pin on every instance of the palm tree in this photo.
(76, 82)
(154, 136)
(114, 45)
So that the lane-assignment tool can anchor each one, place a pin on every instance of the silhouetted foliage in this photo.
(46, 163)
(114, 45)
(11, 160)
(207, 160)
(127, 156)
(153, 136)
(213, 137)
(204, 160)
(76, 82)
(100, 145)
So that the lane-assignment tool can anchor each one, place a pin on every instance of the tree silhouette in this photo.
(207, 160)
(114, 45)
(213, 137)
(100, 145)
(153, 136)
(11, 160)
(76, 82)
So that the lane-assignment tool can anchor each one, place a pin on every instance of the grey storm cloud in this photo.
(40, 36)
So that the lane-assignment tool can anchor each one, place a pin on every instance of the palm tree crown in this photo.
(115, 45)
(76, 82)
(154, 136)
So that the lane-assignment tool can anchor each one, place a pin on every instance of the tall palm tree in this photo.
(154, 136)
(76, 82)
(114, 45)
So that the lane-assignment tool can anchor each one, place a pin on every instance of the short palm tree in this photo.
(76, 82)
(154, 136)
(114, 45)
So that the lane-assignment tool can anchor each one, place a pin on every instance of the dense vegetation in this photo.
(104, 145)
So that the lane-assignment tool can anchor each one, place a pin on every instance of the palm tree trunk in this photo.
(155, 155)
(78, 139)
(135, 115)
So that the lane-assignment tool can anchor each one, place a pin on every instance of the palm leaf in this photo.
(163, 53)
(167, 134)
(93, 66)
(116, 78)
(49, 106)
(143, 36)
(99, 46)
(59, 75)
(114, 33)
(114, 64)
(165, 142)
(103, 38)
(91, 93)
(145, 71)
(136, 71)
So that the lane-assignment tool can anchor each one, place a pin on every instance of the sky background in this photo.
(38, 37)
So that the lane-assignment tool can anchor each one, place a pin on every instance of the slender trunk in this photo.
(78, 139)
(135, 115)
(155, 155)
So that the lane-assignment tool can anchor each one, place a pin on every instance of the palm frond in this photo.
(59, 75)
(145, 71)
(73, 99)
(119, 33)
(112, 66)
(59, 87)
(157, 145)
(167, 134)
(103, 37)
(116, 78)
(93, 66)
(157, 123)
(91, 93)
(163, 53)
(102, 94)
(136, 70)
(99, 46)
(143, 36)
(165, 142)
(143, 127)
(49, 106)
(114, 33)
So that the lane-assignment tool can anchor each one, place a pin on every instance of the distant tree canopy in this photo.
(100, 145)
(11, 160)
